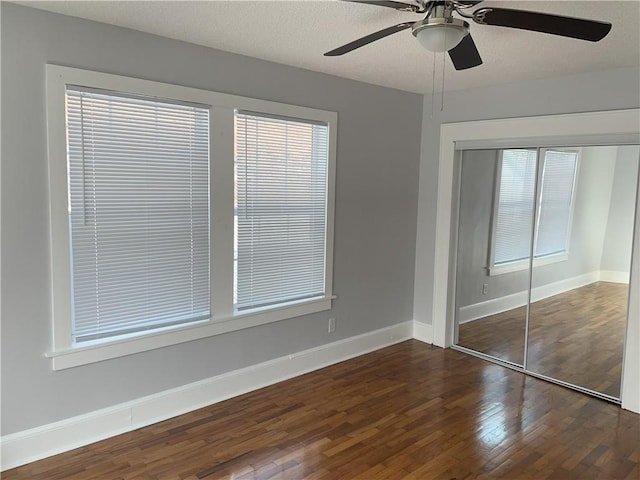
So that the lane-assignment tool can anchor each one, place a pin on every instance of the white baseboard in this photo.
(519, 299)
(494, 306)
(614, 277)
(423, 332)
(556, 288)
(40, 442)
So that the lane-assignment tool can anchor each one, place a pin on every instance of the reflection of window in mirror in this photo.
(514, 201)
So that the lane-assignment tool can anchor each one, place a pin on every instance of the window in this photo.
(138, 213)
(556, 196)
(179, 213)
(281, 178)
(518, 171)
(514, 216)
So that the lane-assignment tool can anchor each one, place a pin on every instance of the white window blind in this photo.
(281, 210)
(555, 202)
(139, 213)
(516, 201)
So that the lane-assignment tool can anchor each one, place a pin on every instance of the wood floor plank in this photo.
(406, 411)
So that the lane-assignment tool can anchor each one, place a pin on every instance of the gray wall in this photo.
(375, 230)
(616, 253)
(604, 90)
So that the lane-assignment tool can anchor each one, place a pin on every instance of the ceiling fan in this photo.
(439, 31)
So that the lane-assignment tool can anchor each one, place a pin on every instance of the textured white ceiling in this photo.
(298, 33)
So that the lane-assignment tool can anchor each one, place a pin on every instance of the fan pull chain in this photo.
(433, 84)
(442, 90)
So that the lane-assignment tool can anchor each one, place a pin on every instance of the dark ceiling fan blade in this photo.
(542, 22)
(372, 37)
(465, 54)
(406, 7)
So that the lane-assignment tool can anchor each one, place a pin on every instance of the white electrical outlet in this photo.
(332, 325)
(485, 288)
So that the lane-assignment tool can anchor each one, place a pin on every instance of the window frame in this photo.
(538, 260)
(63, 353)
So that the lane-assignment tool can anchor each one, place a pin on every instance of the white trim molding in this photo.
(73, 357)
(521, 265)
(423, 332)
(47, 440)
(614, 277)
(555, 288)
(476, 311)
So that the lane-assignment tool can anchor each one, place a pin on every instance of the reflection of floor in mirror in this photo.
(576, 337)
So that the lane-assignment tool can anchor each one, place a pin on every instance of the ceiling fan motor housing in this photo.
(440, 32)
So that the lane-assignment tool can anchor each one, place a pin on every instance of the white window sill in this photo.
(524, 264)
(98, 350)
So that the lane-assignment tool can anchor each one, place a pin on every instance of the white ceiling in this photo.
(298, 33)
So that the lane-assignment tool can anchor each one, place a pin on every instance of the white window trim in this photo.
(64, 353)
(538, 261)
(520, 265)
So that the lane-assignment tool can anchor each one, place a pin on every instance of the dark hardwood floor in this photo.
(407, 411)
(576, 337)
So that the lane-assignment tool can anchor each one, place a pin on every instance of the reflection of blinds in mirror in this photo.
(555, 202)
(514, 216)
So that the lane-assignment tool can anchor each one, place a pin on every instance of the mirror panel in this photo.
(495, 224)
(582, 256)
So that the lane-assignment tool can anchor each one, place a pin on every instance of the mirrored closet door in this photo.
(543, 259)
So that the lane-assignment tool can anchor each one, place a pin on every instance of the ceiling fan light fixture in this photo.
(440, 35)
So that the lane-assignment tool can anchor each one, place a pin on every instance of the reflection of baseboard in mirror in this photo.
(614, 277)
(494, 306)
